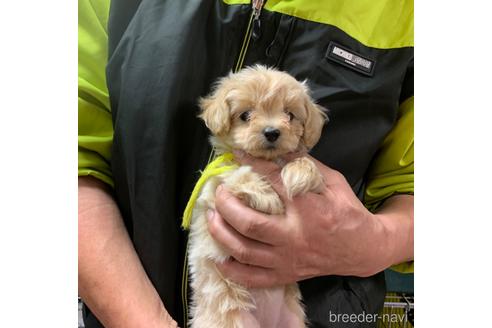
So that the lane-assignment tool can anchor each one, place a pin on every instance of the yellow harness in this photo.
(219, 165)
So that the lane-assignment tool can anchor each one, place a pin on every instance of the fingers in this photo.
(292, 156)
(271, 170)
(244, 250)
(247, 275)
(264, 166)
(254, 225)
(268, 169)
(331, 176)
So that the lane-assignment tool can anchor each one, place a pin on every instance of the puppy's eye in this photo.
(245, 116)
(291, 116)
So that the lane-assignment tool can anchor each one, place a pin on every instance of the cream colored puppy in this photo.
(267, 114)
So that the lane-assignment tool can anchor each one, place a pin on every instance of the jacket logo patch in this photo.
(350, 59)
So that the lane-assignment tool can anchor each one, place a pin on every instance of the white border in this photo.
(38, 184)
(453, 143)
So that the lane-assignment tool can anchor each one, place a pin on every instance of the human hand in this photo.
(331, 233)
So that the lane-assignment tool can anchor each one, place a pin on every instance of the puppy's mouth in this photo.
(267, 151)
(262, 148)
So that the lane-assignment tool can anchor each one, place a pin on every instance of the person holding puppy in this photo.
(140, 157)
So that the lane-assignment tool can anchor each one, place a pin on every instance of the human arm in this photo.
(112, 281)
(330, 233)
(392, 171)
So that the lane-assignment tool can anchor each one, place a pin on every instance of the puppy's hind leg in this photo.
(219, 303)
(301, 176)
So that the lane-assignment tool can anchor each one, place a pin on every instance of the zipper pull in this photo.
(257, 6)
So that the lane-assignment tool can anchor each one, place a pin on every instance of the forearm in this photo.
(112, 281)
(396, 215)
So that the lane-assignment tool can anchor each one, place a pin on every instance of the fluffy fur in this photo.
(238, 112)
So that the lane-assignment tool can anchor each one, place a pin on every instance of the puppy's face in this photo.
(266, 113)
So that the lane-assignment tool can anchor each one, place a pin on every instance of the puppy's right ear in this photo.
(315, 119)
(215, 112)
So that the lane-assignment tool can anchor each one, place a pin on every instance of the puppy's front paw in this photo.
(301, 176)
(254, 191)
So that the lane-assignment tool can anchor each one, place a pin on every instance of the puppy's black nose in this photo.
(271, 134)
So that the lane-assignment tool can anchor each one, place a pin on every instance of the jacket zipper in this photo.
(252, 32)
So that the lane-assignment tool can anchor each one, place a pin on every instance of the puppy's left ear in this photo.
(215, 112)
(313, 125)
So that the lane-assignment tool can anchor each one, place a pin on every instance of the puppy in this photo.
(267, 114)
